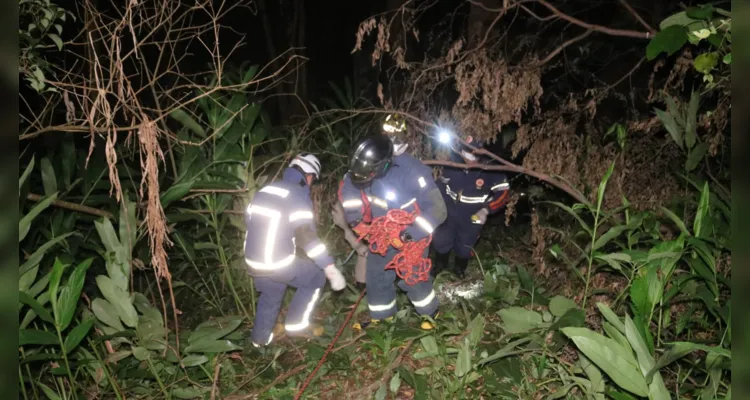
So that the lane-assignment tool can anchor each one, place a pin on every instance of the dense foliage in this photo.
(132, 282)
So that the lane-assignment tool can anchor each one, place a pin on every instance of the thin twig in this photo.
(637, 16)
(216, 379)
(73, 206)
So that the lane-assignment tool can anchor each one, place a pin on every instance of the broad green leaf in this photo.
(677, 350)
(119, 299)
(188, 122)
(463, 363)
(612, 233)
(212, 346)
(671, 125)
(56, 39)
(619, 395)
(250, 74)
(505, 351)
(573, 317)
(51, 394)
(71, 293)
(656, 388)
(106, 313)
(68, 157)
(639, 295)
(26, 174)
(559, 305)
(49, 180)
(25, 223)
(429, 344)
(77, 334)
(705, 62)
(677, 221)
(395, 384)
(613, 333)
(519, 320)
(176, 192)
(382, 391)
(38, 254)
(704, 12)
(592, 372)
(703, 210)
(668, 40)
(214, 329)
(194, 360)
(727, 59)
(36, 336)
(696, 156)
(617, 362)
(127, 223)
(186, 393)
(54, 283)
(476, 330)
(141, 353)
(26, 279)
(107, 234)
(691, 119)
(611, 317)
(42, 312)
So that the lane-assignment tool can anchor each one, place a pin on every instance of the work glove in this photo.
(334, 276)
(480, 217)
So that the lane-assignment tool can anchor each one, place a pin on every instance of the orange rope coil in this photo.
(385, 231)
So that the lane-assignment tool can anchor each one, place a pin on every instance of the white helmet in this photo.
(308, 163)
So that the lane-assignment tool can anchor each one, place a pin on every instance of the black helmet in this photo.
(371, 158)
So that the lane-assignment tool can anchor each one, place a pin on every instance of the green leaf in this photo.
(696, 156)
(678, 350)
(705, 62)
(592, 372)
(671, 125)
(677, 221)
(48, 391)
(214, 329)
(119, 299)
(106, 313)
(42, 312)
(127, 224)
(35, 336)
(639, 295)
(611, 317)
(26, 173)
(176, 192)
(619, 395)
(77, 334)
(559, 305)
(381, 392)
(54, 283)
(704, 12)
(656, 388)
(617, 362)
(38, 254)
(669, 40)
(188, 122)
(212, 346)
(463, 363)
(107, 234)
(476, 330)
(612, 233)
(519, 320)
(71, 293)
(429, 344)
(703, 210)
(49, 180)
(395, 383)
(727, 59)
(573, 317)
(118, 355)
(613, 333)
(186, 393)
(25, 223)
(141, 353)
(194, 360)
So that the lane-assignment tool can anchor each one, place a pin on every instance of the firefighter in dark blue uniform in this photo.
(380, 181)
(279, 220)
(471, 195)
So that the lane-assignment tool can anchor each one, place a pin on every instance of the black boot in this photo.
(440, 263)
(460, 267)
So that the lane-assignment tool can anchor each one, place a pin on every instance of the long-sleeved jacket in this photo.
(466, 191)
(407, 182)
(280, 219)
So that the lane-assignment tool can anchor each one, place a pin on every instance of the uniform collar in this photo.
(294, 176)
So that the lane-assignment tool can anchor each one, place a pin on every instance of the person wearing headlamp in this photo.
(471, 195)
